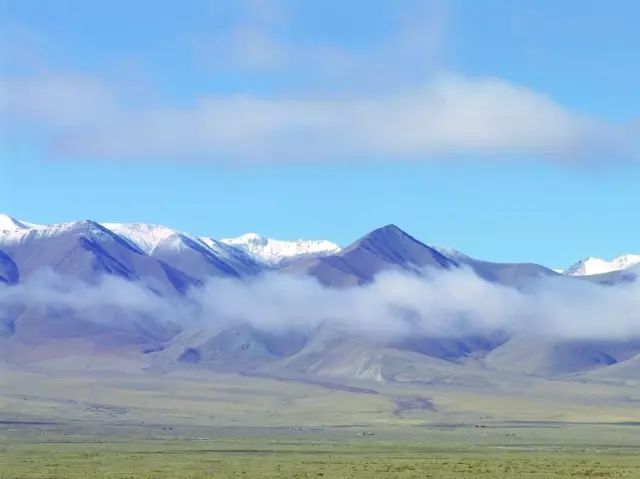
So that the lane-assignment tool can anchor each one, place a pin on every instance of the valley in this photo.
(112, 420)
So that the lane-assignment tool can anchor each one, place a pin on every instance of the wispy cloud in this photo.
(386, 99)
(452, 115)
(264, 36)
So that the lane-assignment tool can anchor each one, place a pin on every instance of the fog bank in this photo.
(441, 303)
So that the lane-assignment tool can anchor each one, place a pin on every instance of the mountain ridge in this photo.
(275, 253)
(593, 266)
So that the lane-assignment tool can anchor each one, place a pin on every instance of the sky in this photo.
(507, 130)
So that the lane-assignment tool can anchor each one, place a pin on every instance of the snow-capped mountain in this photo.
(590, 266)
(250, 253)
(11, 229)
(86, 250)
(172, 264)
(274, 252)
(7, 223)
(202, 257)
(144, 236)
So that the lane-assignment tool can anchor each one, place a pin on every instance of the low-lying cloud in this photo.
(396, 305)
(450, 117)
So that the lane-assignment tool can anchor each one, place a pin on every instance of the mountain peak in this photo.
(145, 236)
(389, 231)
(395, 246)
(7, 223)
(249, 238)
(390, 228)
(592, 265)
(389, 234)
(273, 252)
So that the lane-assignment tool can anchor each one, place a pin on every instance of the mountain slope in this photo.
(613, 278)
(239, 347)
(144, 236)
(555, 357)
(86, 250)
(8, 270)
(518, 275)
(201, 258)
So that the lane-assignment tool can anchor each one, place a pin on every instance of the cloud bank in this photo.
(396, 305)
(82, 117)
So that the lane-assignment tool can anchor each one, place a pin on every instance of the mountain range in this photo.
(169, 264)
(258, 252)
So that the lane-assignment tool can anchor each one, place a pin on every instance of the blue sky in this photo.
(505, 129)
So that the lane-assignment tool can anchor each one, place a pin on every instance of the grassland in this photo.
(67, 424)
(535, 451)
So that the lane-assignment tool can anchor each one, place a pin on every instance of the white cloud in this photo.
(450, 116)
(445, 303)
(60, 102)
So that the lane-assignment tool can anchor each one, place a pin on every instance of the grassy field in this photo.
(439, 451)
(91, 424)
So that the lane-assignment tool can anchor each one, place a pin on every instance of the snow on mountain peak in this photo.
(277, 252)
(13, 230)
(591, 265)
(249, 238)
(7, 223)
(144, 236)
(450, 253)
(251, 247)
